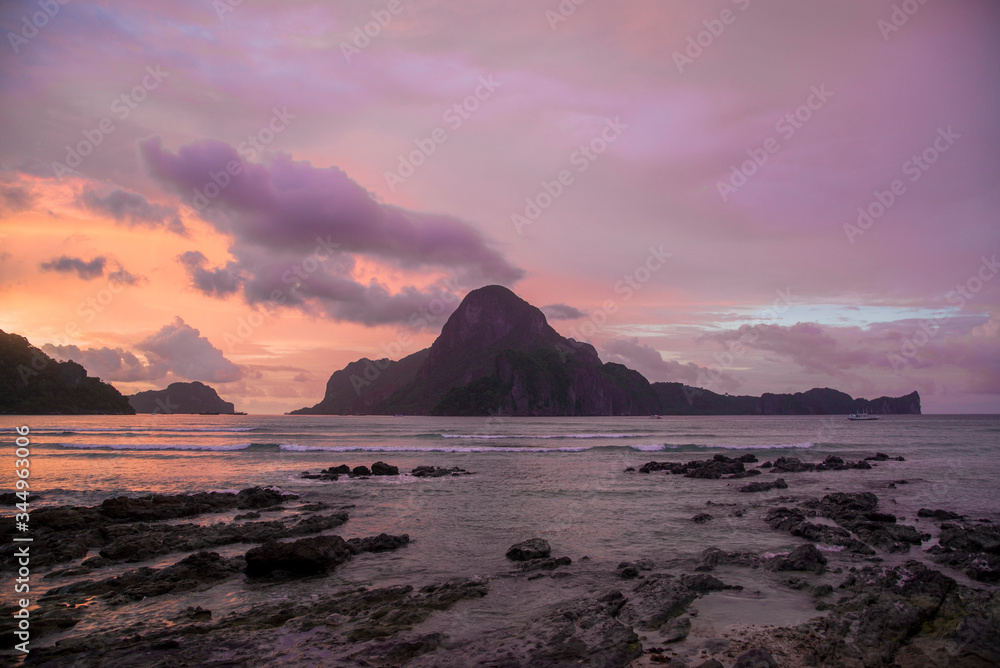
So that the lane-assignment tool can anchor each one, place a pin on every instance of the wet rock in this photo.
(261, 497)
(858, 512)
(585, 632)
(766, 465)
(714, 468)
(938, 514)
(548, 564)
(307, 556)
(971, 548)
(713, 556)
(803, 558)
(533, 548)
(627, 570)
(253, 515)
(12, 499)
(436, 472)
(676, 629)
(359, 471)
(765, 486)
(882, 609)
(655, 601)
(711, 663)
(342, 469)
(882, 457)
(702, 583)
(196, 614)
(701, 518)
(381, 468)
(755, 658)
(791, 465)
(380, 543)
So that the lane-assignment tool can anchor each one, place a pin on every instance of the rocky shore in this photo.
(882, 591)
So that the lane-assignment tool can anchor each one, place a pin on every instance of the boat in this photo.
(655, 417)
(862, 416)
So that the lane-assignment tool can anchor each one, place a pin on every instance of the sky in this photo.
(740, 195)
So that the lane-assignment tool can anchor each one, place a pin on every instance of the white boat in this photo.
(862, 416)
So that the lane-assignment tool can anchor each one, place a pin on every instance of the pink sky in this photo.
(584, 160)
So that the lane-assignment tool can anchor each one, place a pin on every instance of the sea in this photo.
(561, 479)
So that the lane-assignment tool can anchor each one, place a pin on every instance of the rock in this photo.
(746, 474)
(342, 469)
(253, 515)
(713, 556)
(938, 514)
(676, 630)
(381, 468)
(360, 471)
(701, 518)
(12, 499)
(548, 564)
(655, 601)
(803, 558)
(435, 472)
(711, 663)
(380, 543)
(755, 658)
(306, 556)
(791, 465)
(971, 548)
(627, 570)
(702, 583)
(857, 512)
(765, 486)
(582, 632)
(258, 497)
(533, 548)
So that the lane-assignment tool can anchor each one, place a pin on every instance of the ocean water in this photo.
(561, 479)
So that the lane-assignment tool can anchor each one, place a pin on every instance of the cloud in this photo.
(212, 282)
(300, 230)
(650, 363)
(85, 269)
(132, 209)
(176, 349)
(182, 350)
(125, 277)
(14, 199)
(109, 364)
(562, 312)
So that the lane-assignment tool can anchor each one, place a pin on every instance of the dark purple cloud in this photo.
(562, 312)
(213, 282)
(15, 198)
(297, 230)
(131, 209)
(85, 269)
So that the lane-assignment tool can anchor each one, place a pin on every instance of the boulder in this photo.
(803, 558)
(533, 548)
(755, 658)
(381, 468)
(306, 556)
(360, 471)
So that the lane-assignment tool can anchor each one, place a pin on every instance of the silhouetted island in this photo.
(193, 397)
(497, 355)
(32, 383)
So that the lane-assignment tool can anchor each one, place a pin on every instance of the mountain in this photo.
(32, 383)
(181, 398)
(497, 355)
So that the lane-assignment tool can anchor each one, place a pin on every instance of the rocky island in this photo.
(498, 355)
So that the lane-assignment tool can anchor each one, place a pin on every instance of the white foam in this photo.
(153, 446)
(70, 430)
(648, 448)
(768, 446)
(544, 436)
(407, 448)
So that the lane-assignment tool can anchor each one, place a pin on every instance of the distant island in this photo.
(193, 397)
(32, 383)
(497, 355)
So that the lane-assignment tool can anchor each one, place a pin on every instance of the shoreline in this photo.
(169, 554)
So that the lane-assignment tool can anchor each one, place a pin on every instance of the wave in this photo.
(429, 448)
(543, 436)
(737, 446)
(153, 446)
(117, 430)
